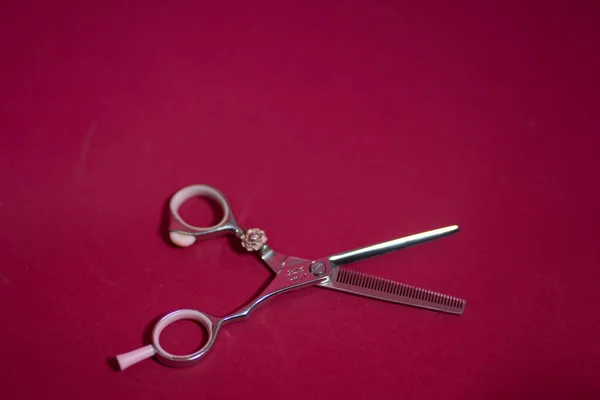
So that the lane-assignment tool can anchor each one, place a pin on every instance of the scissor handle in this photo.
(212, 325)
(184, 234)
(302, 274)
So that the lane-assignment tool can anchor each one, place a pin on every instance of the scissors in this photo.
(290, 273)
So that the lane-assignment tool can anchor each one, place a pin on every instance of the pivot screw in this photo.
(317, 269)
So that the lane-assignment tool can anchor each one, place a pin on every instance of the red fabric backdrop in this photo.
(330, 125)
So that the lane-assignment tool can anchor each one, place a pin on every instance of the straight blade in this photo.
(378, 249)
(354, 282)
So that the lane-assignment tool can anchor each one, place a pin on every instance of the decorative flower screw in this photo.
(253, 239)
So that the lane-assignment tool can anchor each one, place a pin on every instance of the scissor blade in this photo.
(392, 245)
(354, 282)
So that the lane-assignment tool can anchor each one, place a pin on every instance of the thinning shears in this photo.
(291, 273)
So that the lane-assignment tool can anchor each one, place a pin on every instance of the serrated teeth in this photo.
(370, 282)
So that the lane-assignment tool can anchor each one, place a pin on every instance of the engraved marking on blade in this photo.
(296, 273)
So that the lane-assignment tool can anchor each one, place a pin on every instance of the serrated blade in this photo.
(350, 281)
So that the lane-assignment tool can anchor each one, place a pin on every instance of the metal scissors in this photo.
(290, 273)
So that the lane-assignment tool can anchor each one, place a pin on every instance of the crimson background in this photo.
(331, 125)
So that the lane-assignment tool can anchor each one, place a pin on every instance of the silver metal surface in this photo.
(276, 261)
(228, 224)
(378, 249)
(291, 273)
(288, 279)
(346, 280)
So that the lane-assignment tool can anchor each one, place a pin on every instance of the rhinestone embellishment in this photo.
(253, 239)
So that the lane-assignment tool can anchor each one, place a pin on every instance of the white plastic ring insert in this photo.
(187, 193)
(185, 239)
(179, 315)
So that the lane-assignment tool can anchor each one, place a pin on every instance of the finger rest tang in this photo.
(126, 360)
